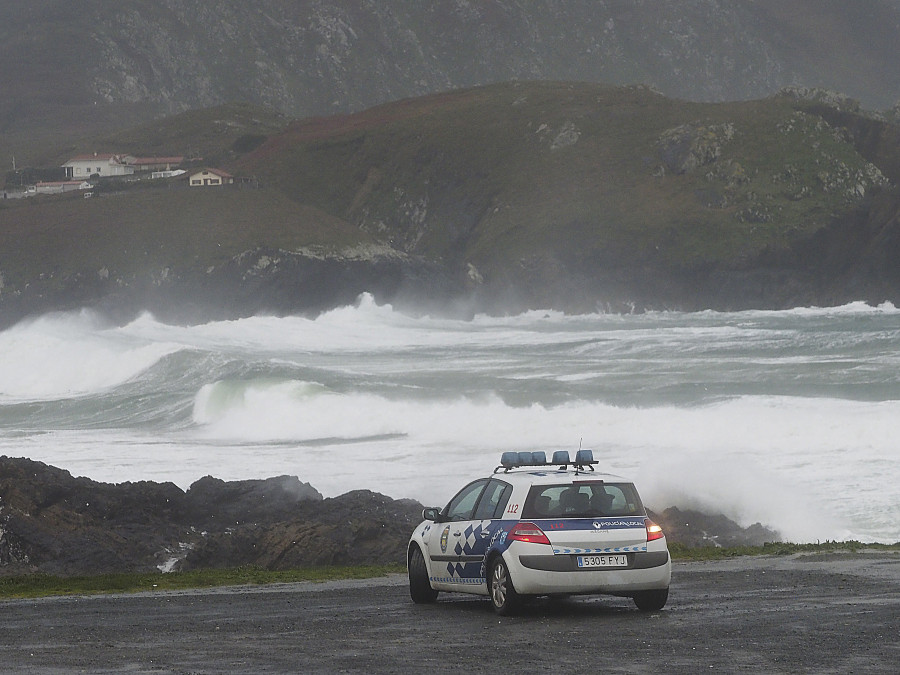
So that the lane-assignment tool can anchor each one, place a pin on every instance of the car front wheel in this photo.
(420, 589)
(651, 601)
(503, 594)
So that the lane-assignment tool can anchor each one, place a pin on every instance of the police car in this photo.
(541, 528)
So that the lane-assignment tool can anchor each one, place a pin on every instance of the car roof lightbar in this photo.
(584, 460)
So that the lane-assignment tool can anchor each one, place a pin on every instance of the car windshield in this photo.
(584, 499)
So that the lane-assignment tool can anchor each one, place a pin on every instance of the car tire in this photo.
(420, 589)
(651, 601)
(503, 594)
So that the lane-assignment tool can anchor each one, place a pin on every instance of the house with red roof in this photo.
(210, 177)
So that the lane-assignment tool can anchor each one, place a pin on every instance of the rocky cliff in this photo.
(54, 523)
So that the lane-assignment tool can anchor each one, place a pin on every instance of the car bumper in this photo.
(549, 574)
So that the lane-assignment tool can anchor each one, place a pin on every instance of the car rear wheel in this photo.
(651, 601)
(420, 589)
(503, 594)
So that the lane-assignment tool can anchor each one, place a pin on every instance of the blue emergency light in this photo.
(584, 457)
(561, 457)
(584, 460)
(513, 460)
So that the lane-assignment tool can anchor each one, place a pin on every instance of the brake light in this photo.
(654, 531)
(528, 532)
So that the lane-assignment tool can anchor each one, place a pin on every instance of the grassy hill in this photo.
(568, 195)
(528, 180)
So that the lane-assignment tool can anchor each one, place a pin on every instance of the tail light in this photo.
(654, 531)
(528, 532)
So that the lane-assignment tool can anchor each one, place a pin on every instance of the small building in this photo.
(210, 177)
(145, 164)
(57, 186)
(167, 174)
(100, 164)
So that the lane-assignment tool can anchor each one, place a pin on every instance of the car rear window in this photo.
(585, 499)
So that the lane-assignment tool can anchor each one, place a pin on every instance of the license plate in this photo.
(603, 561)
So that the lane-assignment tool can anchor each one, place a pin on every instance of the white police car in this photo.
(541, 528)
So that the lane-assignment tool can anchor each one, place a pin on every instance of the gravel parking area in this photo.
(825, 614)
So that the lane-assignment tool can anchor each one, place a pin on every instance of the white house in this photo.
(208, 177)
(101, 164)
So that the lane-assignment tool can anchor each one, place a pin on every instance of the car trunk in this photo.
(596, 535)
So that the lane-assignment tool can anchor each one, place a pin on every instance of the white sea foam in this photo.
(783, 418)
(68, 355)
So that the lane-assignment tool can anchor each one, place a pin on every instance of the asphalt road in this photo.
(822, 614)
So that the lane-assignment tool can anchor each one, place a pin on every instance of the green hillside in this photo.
(531, 179)
(565, 195)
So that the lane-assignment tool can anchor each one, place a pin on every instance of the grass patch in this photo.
(698, 553)
(135, 233)
(41, 585)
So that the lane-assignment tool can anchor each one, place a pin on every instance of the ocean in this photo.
(786, 418)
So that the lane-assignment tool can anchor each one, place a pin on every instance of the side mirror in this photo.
(431, 513)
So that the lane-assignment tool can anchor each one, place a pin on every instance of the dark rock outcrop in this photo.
(54, 523)
(213, 504)
(693, 528)
(263, 280)
(359, 527)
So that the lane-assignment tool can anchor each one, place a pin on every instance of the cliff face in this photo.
(84, 65)
(314, 57)
(317, 57)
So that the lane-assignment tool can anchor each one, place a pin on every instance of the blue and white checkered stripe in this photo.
(589, 551)
(475, 581)
(471, 535)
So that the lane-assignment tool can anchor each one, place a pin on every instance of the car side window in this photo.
(462, 506)
(493, 501)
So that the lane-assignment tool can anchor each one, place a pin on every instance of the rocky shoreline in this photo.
(54, 523)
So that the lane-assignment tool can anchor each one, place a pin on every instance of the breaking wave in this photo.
(784, 418)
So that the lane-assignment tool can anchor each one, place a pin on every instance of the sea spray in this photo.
(785, 418)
